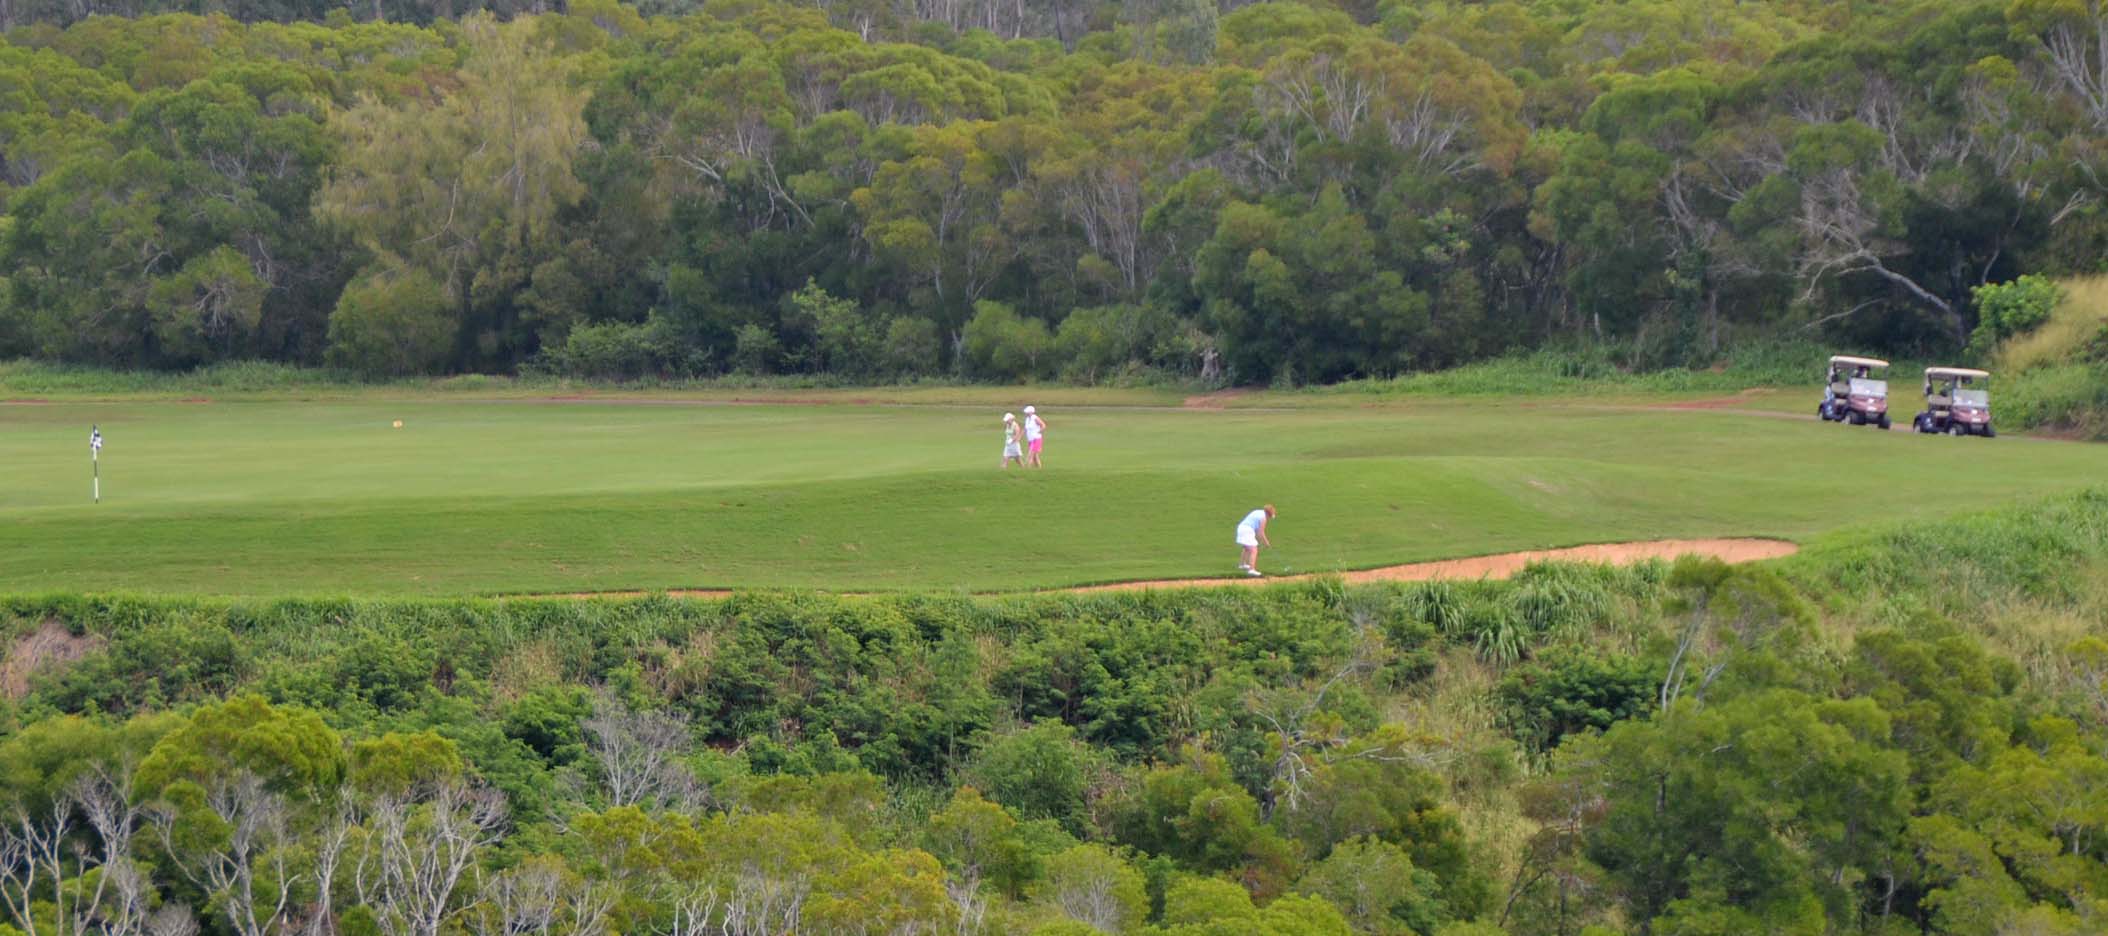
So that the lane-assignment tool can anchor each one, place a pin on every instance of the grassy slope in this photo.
(489, 497)
(2042, 379)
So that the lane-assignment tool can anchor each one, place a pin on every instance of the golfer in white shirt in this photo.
(1011, 435)
(1034, 427)
(1251, 534)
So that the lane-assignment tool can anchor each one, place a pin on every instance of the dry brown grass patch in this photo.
(49, 647)
(2076, 319)
(529, 667)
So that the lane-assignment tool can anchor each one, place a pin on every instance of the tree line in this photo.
(1835, 745)
(1279, 191)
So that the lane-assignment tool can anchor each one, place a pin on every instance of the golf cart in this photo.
(1957, 402)
(1856, 392)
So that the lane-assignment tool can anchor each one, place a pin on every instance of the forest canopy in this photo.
(1279, 191)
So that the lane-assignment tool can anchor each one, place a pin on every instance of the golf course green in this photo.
(510, 496)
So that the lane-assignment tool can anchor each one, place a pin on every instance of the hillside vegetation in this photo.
(1900, 731)
(2055, 374)
(1275, 192)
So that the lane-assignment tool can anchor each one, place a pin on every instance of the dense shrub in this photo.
(1574, 690)
(1191, 762)
(391, 322)
(912, 347)
(2008, 310)
(1001, 345)
(1040, 772)
(844, 340)
(755, 349)
(613, 350)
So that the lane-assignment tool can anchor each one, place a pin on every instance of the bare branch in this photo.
(641, 757)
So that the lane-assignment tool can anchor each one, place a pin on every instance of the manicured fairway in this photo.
(266, 498)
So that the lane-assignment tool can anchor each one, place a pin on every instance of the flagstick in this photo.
(96, 460)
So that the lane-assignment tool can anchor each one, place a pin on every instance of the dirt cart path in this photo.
(1502, 565)
(1477, 567)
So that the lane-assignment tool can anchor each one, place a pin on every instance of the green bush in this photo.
(209, 310)
(845, 341)
(391, 322)
(1095, 343)
(2006, 310)
(1000, 344)
(383, 670)
(913, 347)
(1194, 814)
(1376, 885)
(1040, 772)
(174, 657)
(613, 351)
(1574, 690)
(755, 349)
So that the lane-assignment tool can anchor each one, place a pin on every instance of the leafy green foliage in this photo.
(1002, 346)
(1573, 691)
(1291, 193)
(289, 749)
(1040, 772)
(391, 322)
(1375, 885)
(1193, 814)
(1807, 779)
(2008, 310)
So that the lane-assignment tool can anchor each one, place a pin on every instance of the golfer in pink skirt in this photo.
(1035, 428)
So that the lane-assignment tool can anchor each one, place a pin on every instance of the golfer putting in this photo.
(1251, 534)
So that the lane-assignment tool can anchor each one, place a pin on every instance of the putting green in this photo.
(492, 497)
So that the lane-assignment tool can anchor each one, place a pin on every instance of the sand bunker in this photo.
(1477, 567)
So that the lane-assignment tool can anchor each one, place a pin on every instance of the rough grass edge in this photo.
(1573, 369)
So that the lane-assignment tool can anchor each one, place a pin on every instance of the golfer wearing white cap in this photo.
(1034, 428)
(1011, 436)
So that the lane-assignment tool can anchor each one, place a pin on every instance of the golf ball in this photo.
(398, 424)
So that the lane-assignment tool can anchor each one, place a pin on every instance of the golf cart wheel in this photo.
(1956, 430)
(1858, 418)
(1990, 433)
(1884, 422)
(1922, 423)
(1822, 412)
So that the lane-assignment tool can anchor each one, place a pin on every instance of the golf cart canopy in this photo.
(1847, 360)
(1955, 373)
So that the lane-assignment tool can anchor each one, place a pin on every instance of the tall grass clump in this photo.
(1602, 368)
(2055, 375)
(37, 378)
(2070, 398)
(2076, 320)
(2047, 553)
